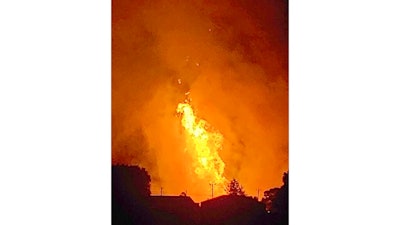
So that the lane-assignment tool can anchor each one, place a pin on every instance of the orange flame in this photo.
(203, 144)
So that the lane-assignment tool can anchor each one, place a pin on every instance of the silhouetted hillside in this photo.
(171, 210)
(233, 210)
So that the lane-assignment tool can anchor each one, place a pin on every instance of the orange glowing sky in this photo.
(233, 58)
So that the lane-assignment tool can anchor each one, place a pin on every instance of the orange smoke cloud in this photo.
(232, 56)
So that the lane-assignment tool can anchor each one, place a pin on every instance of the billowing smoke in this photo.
(233, 58)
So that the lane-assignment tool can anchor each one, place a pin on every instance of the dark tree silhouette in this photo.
(269, 197)
(280, 205)
(130, 193)
(131, 181)
(234, 188)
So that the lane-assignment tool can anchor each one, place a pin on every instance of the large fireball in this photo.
(203, 143)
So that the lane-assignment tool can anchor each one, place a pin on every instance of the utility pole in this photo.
(161, 191)
(258, 194)
(212, 190)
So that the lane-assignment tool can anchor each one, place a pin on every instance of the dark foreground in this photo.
(132, 204)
